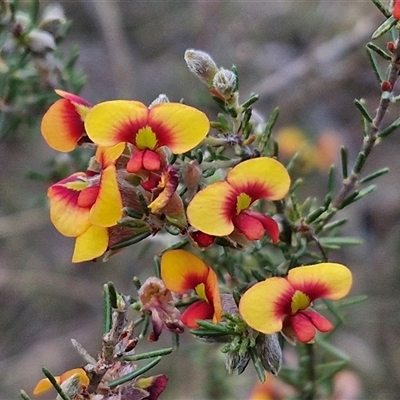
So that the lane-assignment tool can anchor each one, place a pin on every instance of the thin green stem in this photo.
(309, 389)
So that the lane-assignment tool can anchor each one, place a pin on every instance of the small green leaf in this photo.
(150, 354)
(251, 100)
(334, 224)
(340, 241)
(382, 8)
(379, 51)
(374, 175)
(135, 239)
(329, 348)
(24, 395)
(384, 27)
(107, 312)
(360, 161)
(134, 374)
(360, 104)
(374, 64)
(53, 381)
(326, 371)
(266, 134)
(391, 128)
(314, 214)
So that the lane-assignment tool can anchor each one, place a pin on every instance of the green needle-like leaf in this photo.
(134, 374)
(384, 27)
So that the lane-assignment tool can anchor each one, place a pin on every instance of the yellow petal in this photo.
(264, 305)
(178, 126)
(325, 280)
(212, 209)
(91, 244)
(107, 209)
(260, 178)
(62, 126)
(115, 121)
(67, 216)
(83, 378)
(44, 385)
(108, 155)
(182, 271)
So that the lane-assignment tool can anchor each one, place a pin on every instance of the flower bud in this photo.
(225, 82)
(162, 98)
(270, 352)
(192, 174)
(40, 41)
(53, 19)
(236, 361)
(201, 64)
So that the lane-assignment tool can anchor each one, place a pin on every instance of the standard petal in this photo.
(198, 310)
(91, 244)
(107, 209)
(182, 271)
(62, 126)
(115, 121)
(265, 304)
(178, 126)
(212, 209)
(260, 178)
(329, 280)
(65, 213)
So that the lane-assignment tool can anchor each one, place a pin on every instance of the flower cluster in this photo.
(160, 169)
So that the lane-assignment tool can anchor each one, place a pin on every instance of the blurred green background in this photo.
(308, 58)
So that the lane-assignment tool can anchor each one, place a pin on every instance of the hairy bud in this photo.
(225, 82)
(201, 64)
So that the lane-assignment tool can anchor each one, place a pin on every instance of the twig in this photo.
(375, 127)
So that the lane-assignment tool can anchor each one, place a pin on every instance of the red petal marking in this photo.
(151, 160)
(255, 190)
(320, 322)
(87, 197)
(73, 98)
(135, 164)
(269, 224)
(62, 121)
(251, 227)
(302, 327)
(158, 385)
(198, 310)
(283, 303)
(152, 182)
(313, 289)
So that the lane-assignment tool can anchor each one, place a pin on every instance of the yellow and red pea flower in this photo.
(44, 384)
(182, 271)
(177, 126)
(62, 125)
(84, 206)
(223, 206)
(284, 304)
